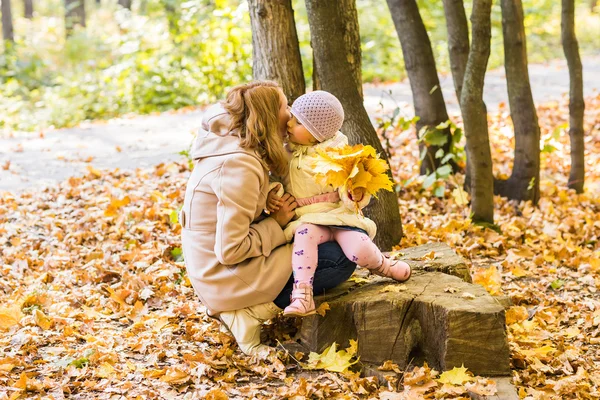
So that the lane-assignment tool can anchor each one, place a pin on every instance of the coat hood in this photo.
(214, 138)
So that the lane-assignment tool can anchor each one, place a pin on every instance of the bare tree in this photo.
(524, 182)
(474, 115)
(458, 41)
(420, 66)
(74, 14)
(28, 5)
(275, 49)
(336, 63)
(576, 102)
(7, 24)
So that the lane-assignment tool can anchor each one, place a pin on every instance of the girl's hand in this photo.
(356, 194)
(274, 202)
(286, 212)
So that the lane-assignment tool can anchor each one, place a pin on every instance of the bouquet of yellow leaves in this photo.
(352, 168)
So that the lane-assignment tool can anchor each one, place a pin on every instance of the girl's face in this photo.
(284, 114)
(298, 133)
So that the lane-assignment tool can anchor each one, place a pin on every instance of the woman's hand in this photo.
(286, 212)
(274, 202)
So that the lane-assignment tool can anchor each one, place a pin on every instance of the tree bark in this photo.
(474, 115)
(576, 102)
(315, 74)
(458, 41)
(524, 182)
(28, 8)
(275, 48)
(74, 14)
(125, 4)
(7, 24)
(422, 74)
(328, 21)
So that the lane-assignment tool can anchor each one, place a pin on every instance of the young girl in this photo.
(324, 214)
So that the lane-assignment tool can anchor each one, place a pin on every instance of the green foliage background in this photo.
(169, 54)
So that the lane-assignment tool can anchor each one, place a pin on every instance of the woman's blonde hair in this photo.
(254, 111)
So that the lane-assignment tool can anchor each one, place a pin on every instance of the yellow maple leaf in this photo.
(393, 288)
(7, 364)
(322, 309)
(331, 359)
(351, 166)
(489, 278)
(516, 314)
(105, 370)
(21, 383)
(456, 376)
(460, 196)
(97, 173)
(41, 319)
(216, 394)
(175, 376)
(539, 352)
(115, 204)
(10, 316)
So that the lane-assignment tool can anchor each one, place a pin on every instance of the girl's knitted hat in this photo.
(320, 112)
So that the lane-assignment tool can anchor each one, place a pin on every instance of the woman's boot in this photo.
(395, 269)
(245, 326)
(302, 303)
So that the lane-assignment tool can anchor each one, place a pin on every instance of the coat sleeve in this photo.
(237, 187)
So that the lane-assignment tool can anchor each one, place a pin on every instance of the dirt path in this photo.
(33, 161)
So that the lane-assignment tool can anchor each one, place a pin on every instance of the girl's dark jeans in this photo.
(333, 268)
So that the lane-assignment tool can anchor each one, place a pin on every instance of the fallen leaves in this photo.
(393, 288)
(333, 360)
(322, 309)
(10, 316)
(94, 297)
(456, 376)
(545, 258)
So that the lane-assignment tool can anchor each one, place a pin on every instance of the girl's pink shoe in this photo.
(303, 303)
(395, 269)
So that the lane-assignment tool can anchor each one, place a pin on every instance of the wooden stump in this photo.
(445, 260)
(433, 317)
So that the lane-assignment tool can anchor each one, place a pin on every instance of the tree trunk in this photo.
(172, 12)
(28, 9)
(275, 49)
(458, 41)
(74, 14)
(7, 24)
(458, 49)
(474, 115)
(125, 4)
(315, 74)
(422, 74)
(335, 63)
(576, 103)
(524, 182)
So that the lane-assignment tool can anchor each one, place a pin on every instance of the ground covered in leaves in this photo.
(95, 302)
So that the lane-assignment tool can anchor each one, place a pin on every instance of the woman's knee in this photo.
(331, 255)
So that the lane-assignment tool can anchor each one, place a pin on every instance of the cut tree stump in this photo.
(433, 317)
(445, 260)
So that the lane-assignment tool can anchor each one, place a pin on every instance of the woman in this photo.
(237, 257)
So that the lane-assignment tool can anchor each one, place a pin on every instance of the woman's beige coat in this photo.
(232, 260)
